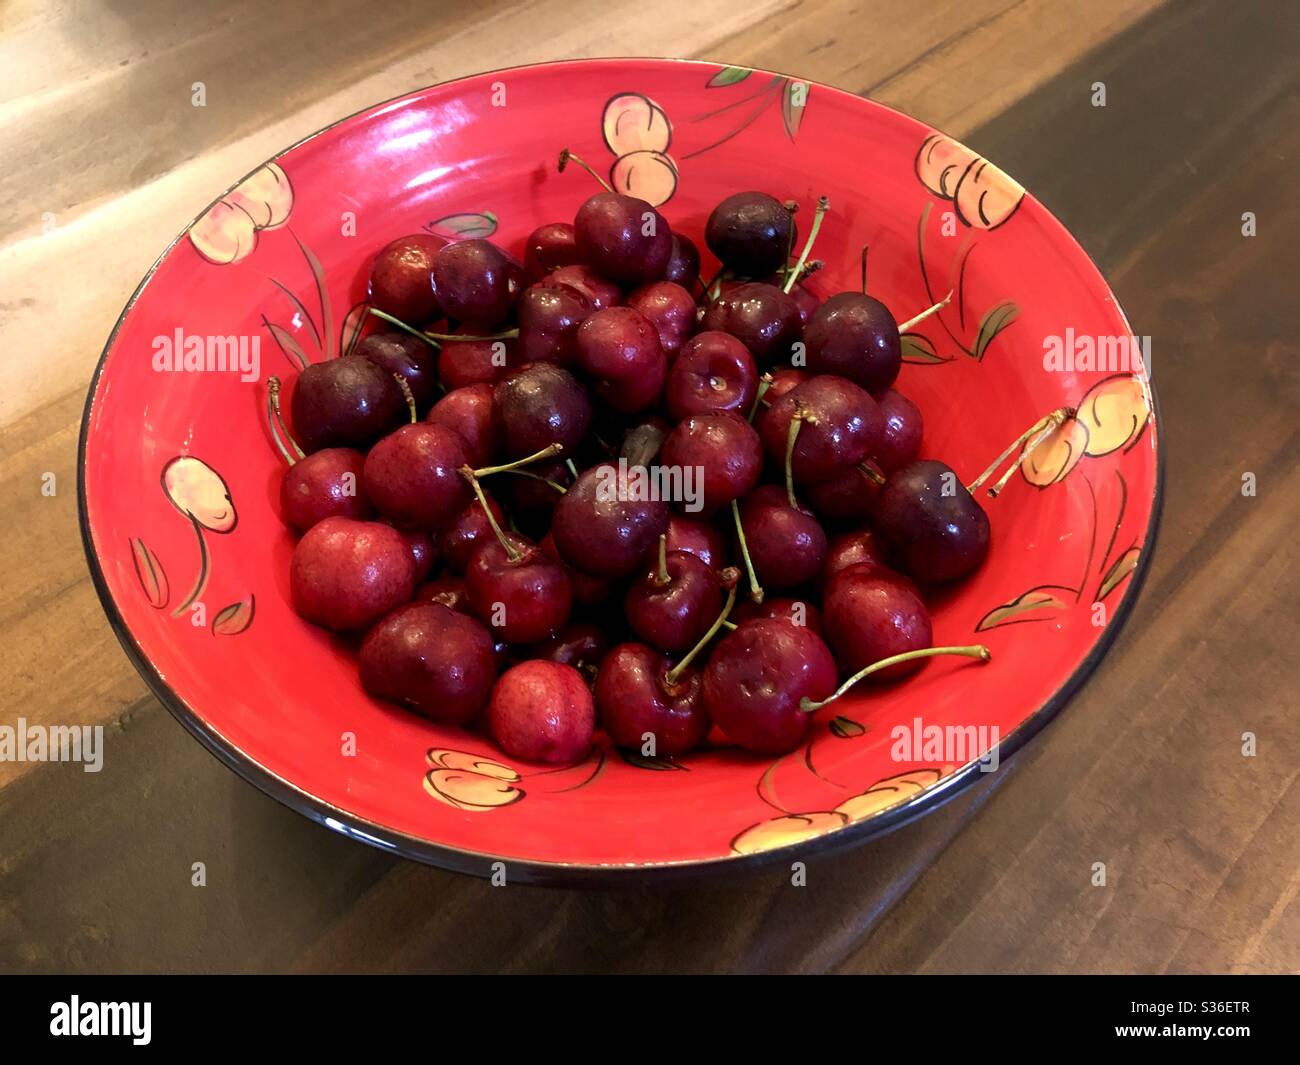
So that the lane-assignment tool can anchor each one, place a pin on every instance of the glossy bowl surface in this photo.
(179, 481)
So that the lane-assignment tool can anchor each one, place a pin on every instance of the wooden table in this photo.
(106, 159)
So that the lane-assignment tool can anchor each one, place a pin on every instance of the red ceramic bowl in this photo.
(179, 481)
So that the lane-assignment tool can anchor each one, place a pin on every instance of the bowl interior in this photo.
(180, 480)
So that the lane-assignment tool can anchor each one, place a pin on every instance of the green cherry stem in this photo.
(796, 423)
(559, 489)
(512, 467)
(670, 678)
(977, 650)
(385, 316)
(1044, 426)
(567, 157)
(755, 589)
(275, 422)
(409, 396)
(764, 383)
(507, 546)
(926, 313)
(823, 205)
(662, 577)
(873, 475)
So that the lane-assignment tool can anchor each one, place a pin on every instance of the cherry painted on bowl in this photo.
(179, 480)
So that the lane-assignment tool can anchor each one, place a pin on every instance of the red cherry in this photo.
(542, 404)
(725, 447)
(579, 644)
(549, 316)
(839, 426)
(851, 549)
(514, 588)
(762, 317)
(587, 590)
(325, 484)
(471, 362)
(476, 283)
(853, 335)
(755, 680)
(670, 309)
(602, 527)
(695, 536)
(424, 552)
(548, 248)
(432, 659)
(346, 574)
(448, 589)
(714, 371)
(404, 356)
(871, 613)
(620, 348)
(848, 496)
(461, 537)
(542, 712)
(794, 611)
(684, 263)
(673, 603)
(787, 545)
(623, 238)
(345, 403)
(473, 415)
(401, 278)
(602, 293)
(412, 475)
(900, 440)
(634, 698)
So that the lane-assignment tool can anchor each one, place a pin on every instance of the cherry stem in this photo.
(1066, 413)
(410, 397)
(572, 468)
(275, 420)
(506, 545)
(926, 313)
(403, 326)
(715, 282)
(755, 589)
(764, 383)
(976, 650)
(1043, 425)
(670, 678)
(662, 577)
(864, 269)
(731, 626)
(823, 205)
(567, 157)
(511, 467)
(796, 423)
(873, 474)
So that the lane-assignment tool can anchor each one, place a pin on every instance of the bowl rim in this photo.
(532, 871)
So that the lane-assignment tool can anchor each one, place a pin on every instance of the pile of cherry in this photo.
(478, 501)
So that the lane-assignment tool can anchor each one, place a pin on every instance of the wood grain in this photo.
(1144, 771)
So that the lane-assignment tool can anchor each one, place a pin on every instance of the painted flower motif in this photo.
(638, 132)
(985, 196)
(796, 828)
(469, 782)
(1112, 415)
(228, 230)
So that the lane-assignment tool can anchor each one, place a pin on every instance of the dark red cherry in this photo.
(537, 490)
(756, 677)
(670, 308)
(786, 545)
(424, 552)
(462, 536)
(346, 574)
(695, 536)
(548, 248)
(542, 712)
(900, 442)
(549, 316)
(807, 302)
(751, 233)
(762, 317)
(579, 644)
(852, 549)
(684, 263)
(472, 362)
(726, 451)
(853, 335)
(472, 414)
(871, 613)
(623, 238)
(325, 484)
(476, 283)
(935, 527)
(542, 404)
(412, 475)
(432, 659)
(673, 603)
(783, 381)
(634, 698)
(587, 590)
(405, 356)
(602, 526)
(448, 589)
(794, 611)
(840, 425)
(514, 588)
(849, 496)
(602, 292)
(620, 348)
(713, 372)
(401, 278)
(345, 403)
